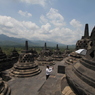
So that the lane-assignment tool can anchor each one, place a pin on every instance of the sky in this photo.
(61, 21)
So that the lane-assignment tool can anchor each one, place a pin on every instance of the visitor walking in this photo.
(48, 71)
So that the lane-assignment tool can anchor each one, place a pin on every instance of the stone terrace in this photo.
(34, 85)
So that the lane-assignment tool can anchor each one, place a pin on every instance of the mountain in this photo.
(11, 41)
(6, 38)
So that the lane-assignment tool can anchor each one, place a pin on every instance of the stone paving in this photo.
(32, 85)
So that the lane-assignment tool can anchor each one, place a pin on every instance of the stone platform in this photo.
(34, 85)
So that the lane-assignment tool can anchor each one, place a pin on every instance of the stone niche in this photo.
(25, 67)
(57, 54)
(4, 89)
(45, 57)
(81, 76)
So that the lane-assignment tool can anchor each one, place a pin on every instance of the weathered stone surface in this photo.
(5, 62)
(33, 85)
(14, 54)
(27, 85)
(45, 51)
(57, 54)
(52, 85)
(81, 76)
(4, 89)
(45, 57)
(34, 52)
(83, 43)
(73, 58)
(2, 54)
(25, 67)
(68, 91)
(66, 52)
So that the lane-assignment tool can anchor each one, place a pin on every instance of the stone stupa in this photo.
(25, 67)
(66, 52)
(73, 57)
(81, 75)
(34, 52)
(45, 57)
(57, 54)
(14, 54)
(4, 89)
(4, 61)
(82, 44)
(2, 55)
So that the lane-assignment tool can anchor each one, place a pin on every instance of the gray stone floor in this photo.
(32, 85)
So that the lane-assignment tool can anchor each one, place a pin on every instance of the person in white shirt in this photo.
(48, 71)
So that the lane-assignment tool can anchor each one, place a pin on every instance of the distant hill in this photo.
(5, 40)
(11, 41)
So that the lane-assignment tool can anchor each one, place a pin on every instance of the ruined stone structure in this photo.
(34, 52)
(4, 89)
(7, 62)
(26, 48)
(14, 54)
(4, 64)
(82, 44)
(3, 58)
(57, 54)
(73, 58)
(81, 75)
(45, 57)
(45, 51)
(25, 67)
(66, 52)
(4, 61)
(2, 55)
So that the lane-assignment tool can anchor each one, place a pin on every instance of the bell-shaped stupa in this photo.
(83, 43)
(66, 52)
(14, 54)
(57, 54)
(25, 67)
(45, 57)
(2, 55)
(81, 75)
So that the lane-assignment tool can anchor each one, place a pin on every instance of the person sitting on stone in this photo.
(48, 71)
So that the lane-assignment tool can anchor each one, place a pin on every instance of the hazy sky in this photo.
(50, 20)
